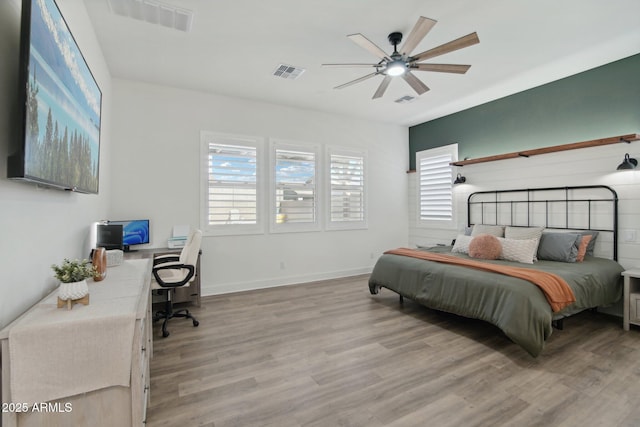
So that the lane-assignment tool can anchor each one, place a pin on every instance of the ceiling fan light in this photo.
(396, 68)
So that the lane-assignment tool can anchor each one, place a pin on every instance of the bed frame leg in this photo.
(401, 299)
(558, 324)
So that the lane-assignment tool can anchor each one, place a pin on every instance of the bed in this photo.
(515, 305)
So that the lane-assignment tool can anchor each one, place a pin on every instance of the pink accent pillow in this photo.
(582, 249)
(485, 246)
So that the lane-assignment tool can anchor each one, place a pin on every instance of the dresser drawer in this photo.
(141, 342)
(142, 348)
(145, 401)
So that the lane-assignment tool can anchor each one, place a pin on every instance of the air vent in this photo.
(154, 12)
(288, 71)
(405, 99)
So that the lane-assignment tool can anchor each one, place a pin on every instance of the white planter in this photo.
(74, 290)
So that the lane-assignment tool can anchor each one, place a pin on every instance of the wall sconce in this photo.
(460, 179)
(627, 163)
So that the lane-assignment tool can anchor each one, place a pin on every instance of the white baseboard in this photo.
(207, 289)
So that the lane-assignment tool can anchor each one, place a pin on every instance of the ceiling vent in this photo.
(288, 72)
(405, 99)
(154, 12)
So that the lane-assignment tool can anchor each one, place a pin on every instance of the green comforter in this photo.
(514, 305)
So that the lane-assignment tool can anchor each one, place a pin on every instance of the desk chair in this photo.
(175, 271)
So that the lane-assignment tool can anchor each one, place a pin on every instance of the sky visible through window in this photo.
(232, 164)
(294, 167)
(241, 166)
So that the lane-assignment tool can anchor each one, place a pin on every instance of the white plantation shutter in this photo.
(346, 190)
(231, 186)
(294, 193)
(435, 183)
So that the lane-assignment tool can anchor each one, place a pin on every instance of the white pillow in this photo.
(462, 244)
(494, 230)
(521, 233)
(519, 250)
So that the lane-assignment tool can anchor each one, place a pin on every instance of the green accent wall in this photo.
(598, 103)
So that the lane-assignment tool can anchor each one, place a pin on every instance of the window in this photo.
(346, 189)
(294, 195)
(244, 187)
(231, 184)
(435, 185)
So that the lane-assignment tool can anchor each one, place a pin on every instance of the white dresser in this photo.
(88, 366)
(631, 296)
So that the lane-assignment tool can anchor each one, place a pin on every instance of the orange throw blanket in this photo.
(554, 287)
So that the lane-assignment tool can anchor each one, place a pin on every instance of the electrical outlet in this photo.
(630, 235)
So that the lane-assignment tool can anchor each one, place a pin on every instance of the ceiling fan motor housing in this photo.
(395, 39)
(397, 66)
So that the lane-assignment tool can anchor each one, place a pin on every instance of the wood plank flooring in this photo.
(330, 354)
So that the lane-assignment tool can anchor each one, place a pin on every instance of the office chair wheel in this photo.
(195, 323)
(165, 334)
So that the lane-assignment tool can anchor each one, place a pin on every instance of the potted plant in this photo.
(73, 284)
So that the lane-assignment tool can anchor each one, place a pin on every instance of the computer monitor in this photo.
(134, 232)
(109, 236)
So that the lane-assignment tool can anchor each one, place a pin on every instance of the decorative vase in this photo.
(73, 290)
(99, 261)
(72, 293)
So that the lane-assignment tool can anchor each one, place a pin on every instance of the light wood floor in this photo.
(330, 354)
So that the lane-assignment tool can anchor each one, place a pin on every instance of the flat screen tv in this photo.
(134, 232)
(60, 104)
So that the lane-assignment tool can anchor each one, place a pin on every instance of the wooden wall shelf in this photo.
(552, 149)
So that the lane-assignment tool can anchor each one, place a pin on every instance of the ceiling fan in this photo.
(402, 63)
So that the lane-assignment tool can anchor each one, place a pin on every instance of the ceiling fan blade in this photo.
(368, 45)
(351, 65)
(442, 68)
(358, 80)
(415, 83)
(383, 87)
(462, 42)
(419, 31)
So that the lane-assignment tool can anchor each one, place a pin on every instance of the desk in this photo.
(185, 294)
(86, 366)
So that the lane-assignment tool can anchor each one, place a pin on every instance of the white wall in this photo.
(40, 227)
(589, 166)
(156, 145)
